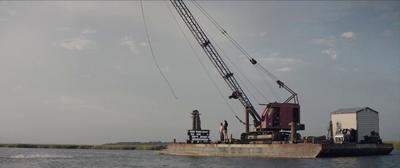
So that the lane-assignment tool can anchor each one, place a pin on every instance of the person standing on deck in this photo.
(226, 139)
(221, 133)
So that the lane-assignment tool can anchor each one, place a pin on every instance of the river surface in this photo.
(83, 158)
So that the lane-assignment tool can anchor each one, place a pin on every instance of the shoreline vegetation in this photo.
(108, 146)
(396, 144)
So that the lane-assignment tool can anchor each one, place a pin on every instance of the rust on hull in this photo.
(305, 150)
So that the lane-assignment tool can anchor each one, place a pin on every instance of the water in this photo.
(81, 158)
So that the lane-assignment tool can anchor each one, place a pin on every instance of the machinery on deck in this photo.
(196, 134)
(278, 121)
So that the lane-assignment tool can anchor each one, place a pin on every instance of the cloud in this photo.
(284, 69)
(275, 54)
(275, 61)
(76, 44)
(251, 34)
(348, 35)
(68, 102)
(127, 41)
(11, 12)
(278, 60)
(165, 68)
(329, 41)
(8, 14)
(330, 52)
(88, 31)
(262, 34)
(133, 46)
(63, 29)
(143, 44)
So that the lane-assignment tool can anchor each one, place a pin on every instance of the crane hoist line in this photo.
(152, 52)
(277, 118)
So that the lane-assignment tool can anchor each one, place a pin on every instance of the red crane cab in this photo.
(277, 116)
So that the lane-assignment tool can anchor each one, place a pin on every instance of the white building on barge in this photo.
(361, 120)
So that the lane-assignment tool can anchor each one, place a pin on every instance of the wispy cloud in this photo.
(330, 52)
(143, 44)
(88, 31)
(329, 41)
(275, 54)
(275, 61)
(79, 43)
(7, 15)
(63, 29)
(255, 34)
(278, 60)
(127, 41)
(262, 34)
(165, 68)
(11, 12)
(131, 44)
(284, 69)
(348, 35)
(68, 102)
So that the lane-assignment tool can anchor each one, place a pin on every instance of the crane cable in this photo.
(153, 55)
(238, 70)
(223, 31)
(241, 74)
(202, 65)
(237, 45)
(234, 42)
(266, 80)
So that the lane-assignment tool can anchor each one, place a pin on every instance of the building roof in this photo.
(352, 110)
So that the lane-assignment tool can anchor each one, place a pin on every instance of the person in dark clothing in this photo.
(221, 132)
(226, 139)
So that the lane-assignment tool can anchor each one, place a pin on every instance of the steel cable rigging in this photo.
(202, 64)
(235, 66)
(152, 53)
(215, 58)
(234, 42)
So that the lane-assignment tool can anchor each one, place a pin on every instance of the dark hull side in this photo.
(278, 150)
(335, 150)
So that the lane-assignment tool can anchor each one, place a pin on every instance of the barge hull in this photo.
(334, 150)
(306, 150)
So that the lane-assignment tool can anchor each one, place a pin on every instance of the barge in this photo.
(340, 143)
(303, 150)
(353, 132)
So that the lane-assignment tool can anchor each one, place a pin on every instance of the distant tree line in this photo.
(113, 146)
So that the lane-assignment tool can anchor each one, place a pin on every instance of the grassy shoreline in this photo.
(396, 144)
(115, 146)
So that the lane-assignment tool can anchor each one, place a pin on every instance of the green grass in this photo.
(396, 144)
(116, 146)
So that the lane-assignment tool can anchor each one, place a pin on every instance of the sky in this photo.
(81, 72)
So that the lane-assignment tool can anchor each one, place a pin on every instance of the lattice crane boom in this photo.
(215, 58)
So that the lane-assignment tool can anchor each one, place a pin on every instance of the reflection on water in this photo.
(74, 158)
